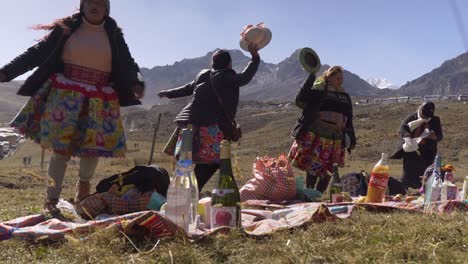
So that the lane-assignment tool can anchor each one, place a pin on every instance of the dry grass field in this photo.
(364, 238)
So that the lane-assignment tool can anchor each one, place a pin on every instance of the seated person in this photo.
(420, 133)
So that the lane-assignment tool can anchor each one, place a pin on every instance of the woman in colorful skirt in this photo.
(215, 95)
(85, 73)
(325, 129)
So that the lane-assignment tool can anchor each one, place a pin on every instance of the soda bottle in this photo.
(378, 180)
(182, 195)
(225, 198)
(335, 187)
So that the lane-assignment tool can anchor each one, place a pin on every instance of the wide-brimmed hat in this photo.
(259, 35)
(309, 60)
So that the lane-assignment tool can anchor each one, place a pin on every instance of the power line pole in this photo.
(460, 24)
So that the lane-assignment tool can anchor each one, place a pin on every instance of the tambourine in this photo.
(309, 60)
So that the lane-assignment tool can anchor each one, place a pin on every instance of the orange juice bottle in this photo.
(378, 180)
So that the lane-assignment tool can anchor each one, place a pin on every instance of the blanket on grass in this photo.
(260, 219)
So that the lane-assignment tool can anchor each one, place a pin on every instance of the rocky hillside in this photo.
(10, 102)
(449, 79)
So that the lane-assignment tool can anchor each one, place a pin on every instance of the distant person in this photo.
(215, 95)
(325, 129)
(420, 132)
(73, 109)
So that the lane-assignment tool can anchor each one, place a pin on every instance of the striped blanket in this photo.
(262, 218)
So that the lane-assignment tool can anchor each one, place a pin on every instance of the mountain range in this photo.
(272, 82)
(451, 78)
(279, 82)
(382, 83)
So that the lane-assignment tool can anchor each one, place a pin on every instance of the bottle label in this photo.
(183, 168)
(178, 206)
(435, 195)
(452, 192)
(223, 216)
(378, 181)
(222, 192)
(337, 198)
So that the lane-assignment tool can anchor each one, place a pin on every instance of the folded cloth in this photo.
(424, 135)
(410, 145)
(415, 124)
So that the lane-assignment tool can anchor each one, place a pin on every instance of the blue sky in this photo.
(399, 39)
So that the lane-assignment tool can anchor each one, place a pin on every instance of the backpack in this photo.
(144, 178)
(355, 183)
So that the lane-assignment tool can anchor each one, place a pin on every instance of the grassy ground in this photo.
(364, 238)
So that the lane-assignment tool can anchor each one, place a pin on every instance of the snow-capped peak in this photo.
(381, 83)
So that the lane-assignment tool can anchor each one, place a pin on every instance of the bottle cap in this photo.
(186, 140)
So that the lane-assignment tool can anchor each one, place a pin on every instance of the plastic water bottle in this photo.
(182, 195)
(433, 184)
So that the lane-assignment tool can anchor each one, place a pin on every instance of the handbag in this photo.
(236, 131)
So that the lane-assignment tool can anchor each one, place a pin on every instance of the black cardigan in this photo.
(204, 108)
(47, 56)
(429, 149)
(313, 101)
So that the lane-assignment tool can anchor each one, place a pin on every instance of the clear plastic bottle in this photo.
(464, 193)
(378, 180)
(434, 183)
(182, 195)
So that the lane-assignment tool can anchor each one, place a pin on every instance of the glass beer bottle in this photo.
(335, 187)
(225, 198)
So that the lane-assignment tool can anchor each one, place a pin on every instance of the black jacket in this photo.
(428, 147)
(313, 101)
(205, 108)
(47, 56)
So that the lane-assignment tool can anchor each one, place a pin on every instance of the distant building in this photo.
(403, 99)
(432, 98)
(416, 99)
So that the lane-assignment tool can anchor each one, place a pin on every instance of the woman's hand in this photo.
(3, 77)
(432, 135)
(138, 91)
(253, 49)
(162, 94)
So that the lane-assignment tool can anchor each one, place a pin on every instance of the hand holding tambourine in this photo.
(309, 60)
(254, 36)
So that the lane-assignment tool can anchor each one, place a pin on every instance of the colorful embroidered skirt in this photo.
(205, 145)
(74, 119)
(315, 154)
